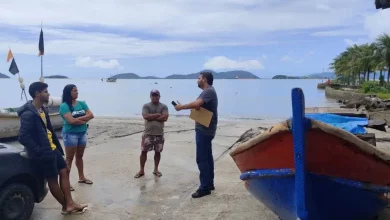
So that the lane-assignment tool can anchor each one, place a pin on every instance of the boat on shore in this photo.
(303, 168)
(10, 121)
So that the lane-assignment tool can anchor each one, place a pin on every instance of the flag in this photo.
(13, 68)
(40, 45)
(10, 56)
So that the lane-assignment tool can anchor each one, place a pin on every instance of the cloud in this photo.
(90, 62)
(290, 58)
(117, 29)
(377, 23)
(286, 58)
(359, 41)
(184, 18)
(339, 32)
(103, 45)
(222, 62)
(323, 7)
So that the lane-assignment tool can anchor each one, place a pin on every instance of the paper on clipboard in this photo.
(202, 116)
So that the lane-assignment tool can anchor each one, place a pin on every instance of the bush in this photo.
(373, 87)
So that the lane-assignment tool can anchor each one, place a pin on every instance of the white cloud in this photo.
(103, 45)
(184, 18)
(120, 28)
(323, 7)
(377, 23)
(360, 41)
(290, 58)
(340, 32)
(90, 62)
(286, 58)
(222, 62)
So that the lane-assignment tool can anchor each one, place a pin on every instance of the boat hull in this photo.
(10, 124)
(329, 198)
(325, 154)
(306, 169)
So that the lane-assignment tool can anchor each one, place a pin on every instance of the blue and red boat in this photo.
(306, 169)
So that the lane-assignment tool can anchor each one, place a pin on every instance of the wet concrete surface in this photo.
(116, 195)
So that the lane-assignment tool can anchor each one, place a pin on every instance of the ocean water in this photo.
(264, 98)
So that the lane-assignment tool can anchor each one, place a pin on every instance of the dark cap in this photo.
(154, 92)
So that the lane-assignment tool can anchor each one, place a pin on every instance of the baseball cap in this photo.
(154, 92)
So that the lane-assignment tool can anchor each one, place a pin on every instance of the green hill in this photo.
(125, 76)
(237, 74)
(329, 75)
(56, 77)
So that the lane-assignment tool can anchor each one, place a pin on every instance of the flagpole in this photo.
(41, 67)
(41, 53)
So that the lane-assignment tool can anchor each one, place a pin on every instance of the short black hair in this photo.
(209, 77)
(36, 87)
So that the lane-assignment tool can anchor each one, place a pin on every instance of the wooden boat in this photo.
(10, 121)
(306, 169)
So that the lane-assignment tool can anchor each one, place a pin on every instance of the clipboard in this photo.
(202, 116)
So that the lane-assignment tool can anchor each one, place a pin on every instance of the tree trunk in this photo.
(368, 74)
(364, 76)
(388, 71)
(374, 75)
(349, 79)
(388, 76)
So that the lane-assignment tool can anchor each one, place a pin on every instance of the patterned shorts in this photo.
(152, 142)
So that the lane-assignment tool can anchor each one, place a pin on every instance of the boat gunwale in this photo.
(286, 126)
(278, 173)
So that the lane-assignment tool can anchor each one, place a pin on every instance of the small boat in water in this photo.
(10, 121)
(306, 169)
(111, 79)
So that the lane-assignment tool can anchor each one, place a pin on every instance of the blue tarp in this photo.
(353, 125)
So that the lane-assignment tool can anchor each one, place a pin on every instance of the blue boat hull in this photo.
(327, 198)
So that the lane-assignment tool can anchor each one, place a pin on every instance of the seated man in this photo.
(37, 136)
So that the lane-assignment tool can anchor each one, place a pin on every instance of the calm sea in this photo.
(263, 98)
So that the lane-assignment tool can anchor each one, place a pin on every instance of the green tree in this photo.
(383, 48)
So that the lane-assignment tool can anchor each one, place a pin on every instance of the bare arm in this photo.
(151, 117)
(164, 115)
(88, 116)
(73, 121)
(192, 105)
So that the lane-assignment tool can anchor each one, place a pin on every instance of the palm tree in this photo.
(383, 45)
(345, 65)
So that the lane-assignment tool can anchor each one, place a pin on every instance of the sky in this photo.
(100, 38)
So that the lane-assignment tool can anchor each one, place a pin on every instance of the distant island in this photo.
(56, 77)
(3, 76)
(326, 75)
(237, 74)
(285, 77)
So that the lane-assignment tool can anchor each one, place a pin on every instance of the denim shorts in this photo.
(74, 139)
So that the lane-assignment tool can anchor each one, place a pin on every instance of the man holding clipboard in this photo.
(206, 102)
